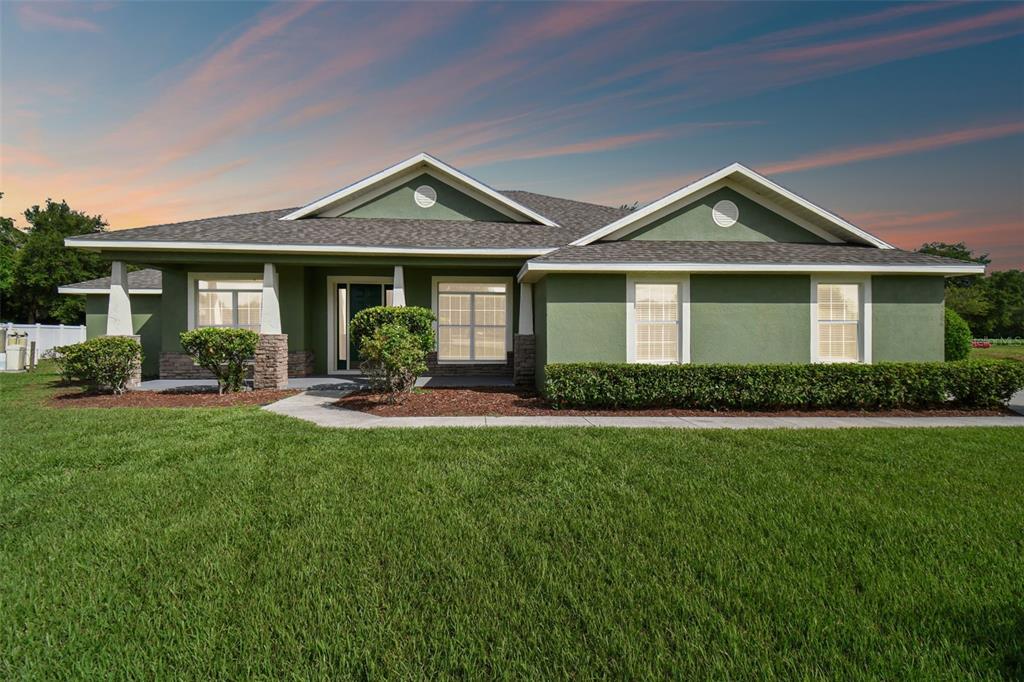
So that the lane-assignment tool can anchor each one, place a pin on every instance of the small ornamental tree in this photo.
(223, 351)
(392, 359)
(102, 363)
(958, 336)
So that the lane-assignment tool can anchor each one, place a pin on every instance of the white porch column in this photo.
(270, 308)
(525, 308)
(119, 306)
(398, 294)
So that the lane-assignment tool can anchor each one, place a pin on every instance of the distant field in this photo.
(999, 353)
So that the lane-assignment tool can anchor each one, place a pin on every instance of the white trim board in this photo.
(75, 291)
(441, 170)
(684, 194)
(531, 271)
(226, 247)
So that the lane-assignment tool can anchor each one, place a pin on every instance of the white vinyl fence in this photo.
(48, 336)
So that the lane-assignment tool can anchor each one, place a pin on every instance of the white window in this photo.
(472, 321)
(838, 321)
(658, 319)
(228, 303)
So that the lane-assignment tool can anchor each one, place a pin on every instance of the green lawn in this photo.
(998, 353)
(232, 543)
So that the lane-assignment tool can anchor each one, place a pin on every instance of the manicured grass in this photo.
(233, 543)
(998, 353)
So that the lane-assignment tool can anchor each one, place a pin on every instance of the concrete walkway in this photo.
(318, 407)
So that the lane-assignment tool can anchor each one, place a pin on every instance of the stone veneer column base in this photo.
(525, 359)
(271, 367)
(300, 363)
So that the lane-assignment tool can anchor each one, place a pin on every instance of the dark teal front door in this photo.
(361, 296)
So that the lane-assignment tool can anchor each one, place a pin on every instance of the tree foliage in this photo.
(993, 304)
(39, 262)
(957, 336)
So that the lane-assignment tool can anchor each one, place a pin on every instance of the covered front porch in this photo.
(302, 308)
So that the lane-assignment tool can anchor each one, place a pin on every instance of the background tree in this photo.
(11, 239)
(42, 263)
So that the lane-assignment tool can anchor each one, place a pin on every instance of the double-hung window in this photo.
(838, 321)
(657, 322)
(472, 321)
(228, 303)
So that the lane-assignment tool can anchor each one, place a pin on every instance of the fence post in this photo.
(32, 356)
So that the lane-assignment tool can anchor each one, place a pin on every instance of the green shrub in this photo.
(222, 350)
(971, 384)
(418, 321)
(392, 359)
(958, 336)
(102, 363)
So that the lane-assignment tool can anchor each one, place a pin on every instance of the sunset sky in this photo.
(907, 119)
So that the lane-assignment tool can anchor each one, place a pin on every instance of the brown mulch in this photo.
(475, 402)
(171, 398)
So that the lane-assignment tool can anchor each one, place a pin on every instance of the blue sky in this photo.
(906, 118)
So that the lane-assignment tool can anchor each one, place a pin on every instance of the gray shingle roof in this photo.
(726, 253)
(139, 279)
(575, 219)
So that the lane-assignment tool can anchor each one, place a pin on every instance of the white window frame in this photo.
(332, 315)
(193, 289)
(680, 280)
(507, 281)
(863, 283)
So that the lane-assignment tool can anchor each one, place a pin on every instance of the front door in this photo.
(351, 299)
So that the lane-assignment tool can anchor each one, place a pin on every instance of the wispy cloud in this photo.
(54, 17)
(839, 157)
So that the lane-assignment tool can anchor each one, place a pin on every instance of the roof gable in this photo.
(754, 222)
(360, 193)
(756, 187)
(423, 197)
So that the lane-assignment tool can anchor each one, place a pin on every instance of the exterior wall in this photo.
(694, 223)
(750, 319)
(540, 330)
(146, 323)
(908, 323)
(585, 318)
(452, 204)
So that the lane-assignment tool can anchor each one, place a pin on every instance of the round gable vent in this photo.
(425, 196)
(725, 213)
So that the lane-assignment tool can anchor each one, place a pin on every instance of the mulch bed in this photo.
(171, 398)
(475, 402)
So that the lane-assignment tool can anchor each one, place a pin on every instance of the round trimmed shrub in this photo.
(418, 321)
(392, 359)
(102, 363)
(958, 336)
(222, 350)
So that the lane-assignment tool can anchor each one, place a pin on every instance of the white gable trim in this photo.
(533, 271)
(440, 170)
(672, 200)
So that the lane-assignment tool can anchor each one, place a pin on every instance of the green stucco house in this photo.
(732, 268)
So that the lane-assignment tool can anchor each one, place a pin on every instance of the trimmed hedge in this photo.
(957, 336)
(222, 350)
(970, 384)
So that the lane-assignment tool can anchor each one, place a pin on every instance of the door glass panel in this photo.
(342, 325)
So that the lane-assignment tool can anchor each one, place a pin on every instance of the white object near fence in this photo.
(48, 336)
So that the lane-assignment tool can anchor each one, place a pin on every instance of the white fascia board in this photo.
(111, 245)
(697, 186)
(532, 271)
(77, 291)
(432, 163)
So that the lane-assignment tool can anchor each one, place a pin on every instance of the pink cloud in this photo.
(839, 157)
(54, 17)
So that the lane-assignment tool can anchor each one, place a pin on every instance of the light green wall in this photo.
(585, 318)
(908, 319)
(146, 314)
(750, 319)
(451, 204)
(694, 223)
